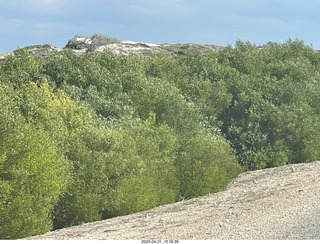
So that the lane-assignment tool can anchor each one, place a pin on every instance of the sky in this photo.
(221, 22)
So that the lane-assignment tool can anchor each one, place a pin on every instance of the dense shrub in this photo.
(205, 165)
(33, 174)
(85, 138)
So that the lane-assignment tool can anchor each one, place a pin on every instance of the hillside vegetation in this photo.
(89, 137)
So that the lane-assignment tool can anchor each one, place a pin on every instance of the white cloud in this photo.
(45, 2)
(154, 8)
(12, 25)
(21, 7)
(47, 6)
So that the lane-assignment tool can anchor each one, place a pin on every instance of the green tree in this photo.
(148, 175)
(205, 165)
(33, 174)
(20, 68)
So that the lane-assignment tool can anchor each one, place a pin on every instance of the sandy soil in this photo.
(276, 203)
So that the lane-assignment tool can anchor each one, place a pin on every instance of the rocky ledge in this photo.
(98, 43)
(38, 51)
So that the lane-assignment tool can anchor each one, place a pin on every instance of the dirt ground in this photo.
(276, 203)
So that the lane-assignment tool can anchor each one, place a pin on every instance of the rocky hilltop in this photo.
(98, 43)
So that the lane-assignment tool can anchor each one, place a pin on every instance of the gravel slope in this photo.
(276, 203)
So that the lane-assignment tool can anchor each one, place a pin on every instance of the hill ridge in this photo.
(98, 43)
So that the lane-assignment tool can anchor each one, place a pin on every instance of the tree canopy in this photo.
(85, 138)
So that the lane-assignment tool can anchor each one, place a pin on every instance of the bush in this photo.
(205, 165)
(33, 175)
(142, 172)
(100, 40)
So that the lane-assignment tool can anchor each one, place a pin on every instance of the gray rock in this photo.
(79, 43)
(42, 51)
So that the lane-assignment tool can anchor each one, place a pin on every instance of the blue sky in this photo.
(222, 22)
